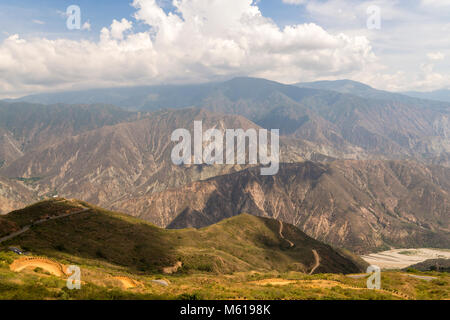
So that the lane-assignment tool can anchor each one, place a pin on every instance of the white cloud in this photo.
(118, 28)
(203, 40)
(38, 21)
(86, 26)
(410, 30)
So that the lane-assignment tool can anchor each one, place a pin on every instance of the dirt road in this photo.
(317, 264)
(291, 244)
(26, 228)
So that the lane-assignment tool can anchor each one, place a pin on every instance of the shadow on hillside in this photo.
(103, 236)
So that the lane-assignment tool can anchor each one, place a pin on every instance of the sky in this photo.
(396, 45)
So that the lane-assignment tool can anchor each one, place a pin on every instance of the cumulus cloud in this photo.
(118, 28)
(410, 31)
(201, 40)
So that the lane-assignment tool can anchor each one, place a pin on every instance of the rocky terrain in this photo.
(360, 205)
(14, 195)
(126, 159)
(28, 127)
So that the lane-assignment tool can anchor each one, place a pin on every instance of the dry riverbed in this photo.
(402, 258)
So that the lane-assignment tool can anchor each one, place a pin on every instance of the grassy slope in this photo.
(106, 244)
(242, 243)
(40, 210)
(99, 284)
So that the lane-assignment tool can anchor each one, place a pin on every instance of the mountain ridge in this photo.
(346, 122)
(360, 205)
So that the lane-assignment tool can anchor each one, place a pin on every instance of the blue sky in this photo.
(283, 40)
(23, 16)
(17, 16)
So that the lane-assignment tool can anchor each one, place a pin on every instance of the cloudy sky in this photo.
(137, 42)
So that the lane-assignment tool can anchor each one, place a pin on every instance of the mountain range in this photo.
(361, 168)
(344, 119)
(129, 158)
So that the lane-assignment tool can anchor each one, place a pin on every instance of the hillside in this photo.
(242, 243)
(14, 195)
(360, 205)
(131, 158)
(245, 257)
(10, 148)
(25, 126)
(440, 265)
(114, 161)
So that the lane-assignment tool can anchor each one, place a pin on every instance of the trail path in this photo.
(52, 267)
(291, 244)
(317, 264)
(27, 227)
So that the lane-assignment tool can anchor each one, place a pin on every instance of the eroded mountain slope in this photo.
(361, 205)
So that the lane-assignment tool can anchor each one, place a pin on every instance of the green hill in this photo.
(241, 243)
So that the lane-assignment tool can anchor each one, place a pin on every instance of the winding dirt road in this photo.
(317, 264)
(27, 227)
(291, 244)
